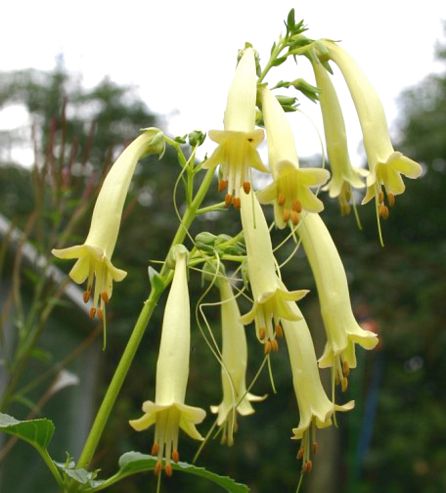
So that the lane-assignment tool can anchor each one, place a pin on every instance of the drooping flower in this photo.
(94, 255)
(169, 412)
(343, 175)
(315, 408)
(341, 327)
(290, 191)
(238, 142)
(234, 363)
(271, 298)
(386, 165)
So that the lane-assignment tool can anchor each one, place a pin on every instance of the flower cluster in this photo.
(294, 192)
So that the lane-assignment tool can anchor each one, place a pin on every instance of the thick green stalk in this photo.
(137, 333)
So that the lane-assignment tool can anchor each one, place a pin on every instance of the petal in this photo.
(80, 270)
(405, 165)
(70, 252)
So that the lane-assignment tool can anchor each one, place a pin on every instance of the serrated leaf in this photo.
(136, 462)
(37, 432)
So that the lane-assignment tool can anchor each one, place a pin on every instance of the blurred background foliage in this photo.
(392, 442)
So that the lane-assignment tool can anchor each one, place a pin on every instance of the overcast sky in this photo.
(180, 54)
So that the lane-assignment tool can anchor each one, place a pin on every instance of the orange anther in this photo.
(300, 453)
(175, 455)
(105, 297)
(228, 200)
(345, 368)
(262, 334)
(100, 314)
(383, 211)
(281, 199)
(296, 206)
(315, 448)
(86, 295)
(308, 466)
(267, 347)
(157, 468)
(279, 331)
(294, 217)
(92, 312)
(286, 215)
(168, 469)
(246, 186)
(381, 197)
(274, 345)
(236, 202)
(344, 384)
(391, 199)
(155, 448)
(222, 185)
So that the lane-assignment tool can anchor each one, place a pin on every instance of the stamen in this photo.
(92, 312)
(262, 334)
(228, 200)
(381, 197)
(279, 330)
(296, 206)
(383, 211)
(236, 202)
(105, 297)
(158, 467)
(294, 217)
(274, 345)
(168, 469)
(86, 295)
(345, 368)
(391, 199)
(281, 199)
(267, 347)
(246, 186)
(315, 448)
(286, 215)
(300, 453)
(100, 314)
(175, 455)
(308, 466)
(155, 448)
(344, 384)
(222, 185)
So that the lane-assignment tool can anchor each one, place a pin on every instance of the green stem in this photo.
(51, 466)
(137, 333)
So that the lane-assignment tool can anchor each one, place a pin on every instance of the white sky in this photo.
(180, 54)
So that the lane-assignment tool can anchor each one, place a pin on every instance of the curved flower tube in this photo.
(169, 413)
(238, 142)
(290, 191)
(234, 365)
(315, 408)
(271, 298)
(94, 255)
(343, 175)
(385, 164)
(341, 327)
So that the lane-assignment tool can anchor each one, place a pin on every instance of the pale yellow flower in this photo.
(290, 191)
(94, 255)
(315, 408)
(385, 164)
(343, 175)
(236, 399)
(238, 142)
(341, 327)
(169, 412)
(271, 298)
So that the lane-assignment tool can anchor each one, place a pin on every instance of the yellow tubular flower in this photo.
(341, 327)
(290, 191)
(169, 412)
(386, 165)
(315, 408)
(270, 295)
(238, 142)
(94, 256)
(344, 176)
(234, 364)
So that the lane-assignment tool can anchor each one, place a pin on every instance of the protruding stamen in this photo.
(246, 186)
(236, 202)
(383, 211)
(381, 197)
(158, 467)
(391, 199)
(92, 312)
(100, 314)
(286, 215)
(168, 469)
(86, 295)
(274, 345)
(296, 206)
(344, 384)
(281, 199)
(222, 185)
(105, 297)
(267, 347)
(315, 448)
(308, 466)
(155, 448)
(279, 330)
(175, 455)
(345, 368)
(294, 217)
(262, 333)
(300, 453)
(228, 200)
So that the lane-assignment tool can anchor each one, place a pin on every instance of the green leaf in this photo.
(37, 432)
(135, 462)
(84, 478)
